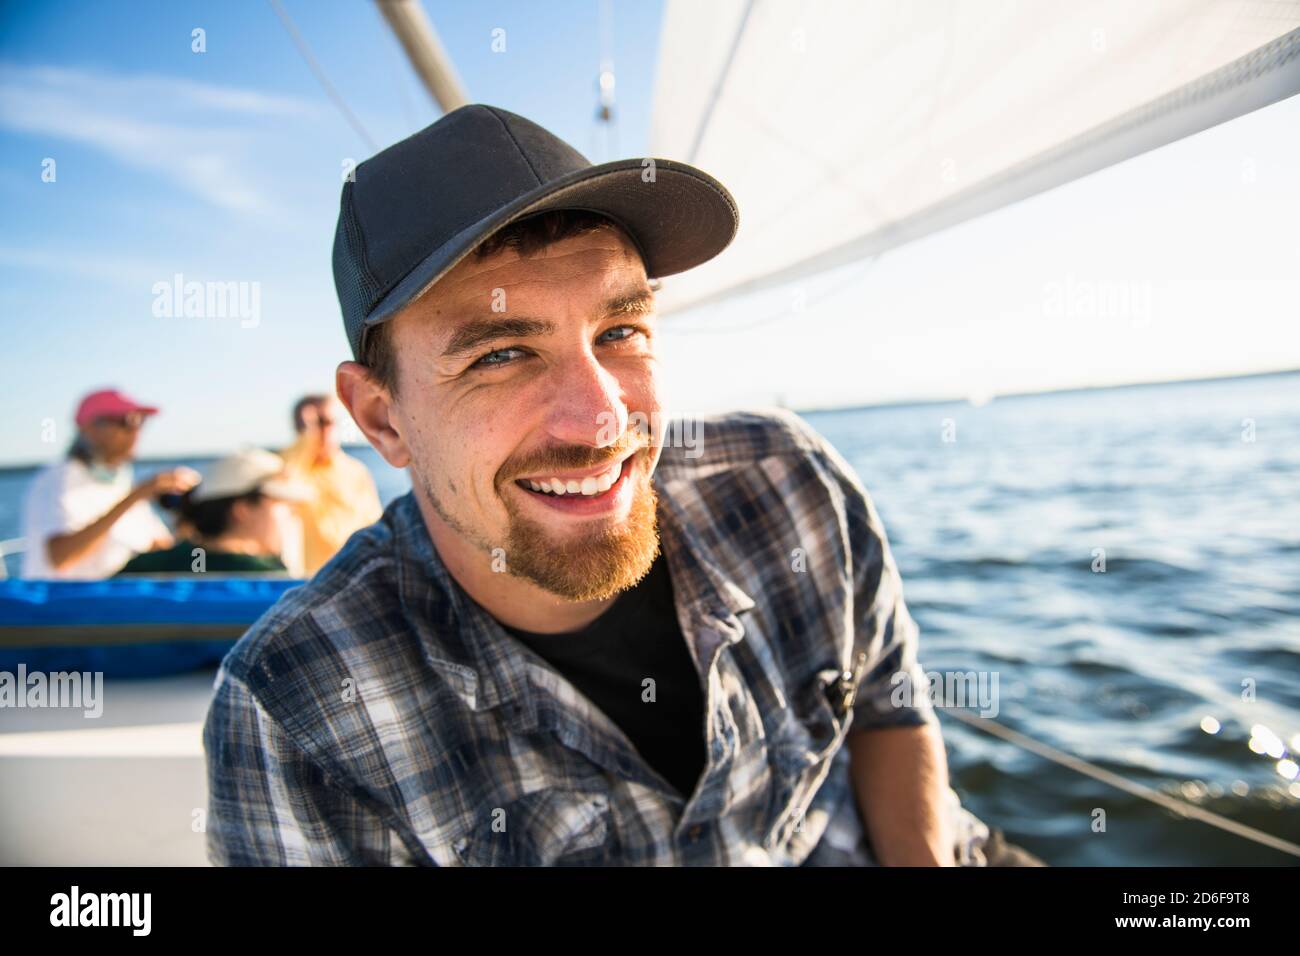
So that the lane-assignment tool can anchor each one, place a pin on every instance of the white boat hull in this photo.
(128, 788)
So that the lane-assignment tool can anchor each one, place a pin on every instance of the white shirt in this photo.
(65, 496)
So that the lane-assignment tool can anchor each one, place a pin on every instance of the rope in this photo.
(324, 80)
(1181, 807)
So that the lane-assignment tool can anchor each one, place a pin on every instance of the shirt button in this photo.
(694, 832)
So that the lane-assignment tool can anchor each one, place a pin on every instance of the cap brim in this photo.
(285, 489)
(120, 408)
(678, 219)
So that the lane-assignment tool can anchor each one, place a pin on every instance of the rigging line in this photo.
(722, 81)
(324, 80)
(1181, 807)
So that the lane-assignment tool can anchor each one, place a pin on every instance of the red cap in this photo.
(109, 402)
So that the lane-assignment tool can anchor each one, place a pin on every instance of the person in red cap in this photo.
(84, 517)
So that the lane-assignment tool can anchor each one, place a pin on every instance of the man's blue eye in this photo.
(487, 360)
(629, 329)
(494, 359)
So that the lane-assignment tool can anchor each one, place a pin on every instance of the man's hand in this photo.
(64, 549)
(900, 780)
(176, 481)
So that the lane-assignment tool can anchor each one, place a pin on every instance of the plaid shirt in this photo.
(378, 715)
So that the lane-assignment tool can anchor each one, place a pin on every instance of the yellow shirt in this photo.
(345, 501)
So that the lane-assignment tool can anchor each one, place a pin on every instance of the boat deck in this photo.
(126, 788)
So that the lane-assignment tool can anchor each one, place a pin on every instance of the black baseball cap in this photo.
(414, 210)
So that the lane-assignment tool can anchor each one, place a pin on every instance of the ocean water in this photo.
(1191, 492)
(999, 516)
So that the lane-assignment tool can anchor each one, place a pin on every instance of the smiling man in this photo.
(500, 422)
(573, 642)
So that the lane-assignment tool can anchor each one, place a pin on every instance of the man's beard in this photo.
(587, 566)
(582, 565)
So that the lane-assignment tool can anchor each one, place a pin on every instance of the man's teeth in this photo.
(575, 486)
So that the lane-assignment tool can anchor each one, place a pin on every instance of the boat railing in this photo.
(10, 546)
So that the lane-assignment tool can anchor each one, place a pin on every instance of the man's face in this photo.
(518, 374)
(113, 437)
(320, 421)
(262, 521)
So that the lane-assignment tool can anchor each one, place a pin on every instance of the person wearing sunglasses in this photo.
(344, 498)
(84, 516)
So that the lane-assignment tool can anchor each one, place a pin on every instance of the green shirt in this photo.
(180, 559)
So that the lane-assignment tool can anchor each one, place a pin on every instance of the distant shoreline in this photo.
(824, 410)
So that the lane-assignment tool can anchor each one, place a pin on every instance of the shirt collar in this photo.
(486, 666)
(102, 473)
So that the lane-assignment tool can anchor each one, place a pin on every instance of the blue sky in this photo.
(225, 166)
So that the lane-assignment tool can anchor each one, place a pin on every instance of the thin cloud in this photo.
(159, 91)
(187, 136)
(133, 273)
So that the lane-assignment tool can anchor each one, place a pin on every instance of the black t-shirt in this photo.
(638, 637)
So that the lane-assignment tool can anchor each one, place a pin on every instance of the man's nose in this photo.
(587, 406)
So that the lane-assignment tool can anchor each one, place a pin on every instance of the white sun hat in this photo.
(247, 470)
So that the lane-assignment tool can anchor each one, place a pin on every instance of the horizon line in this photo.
(813, 410)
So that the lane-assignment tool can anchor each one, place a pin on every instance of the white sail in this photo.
(847, 127)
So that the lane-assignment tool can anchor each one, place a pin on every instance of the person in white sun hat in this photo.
(237, 520)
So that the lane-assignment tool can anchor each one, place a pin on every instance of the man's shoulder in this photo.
(50, 494)
(307, 635)
(760, 478)
(57, 474)
(736, 439)
(735, 447)
(56, 466)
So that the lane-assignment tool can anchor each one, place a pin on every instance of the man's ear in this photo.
(371, 407)
(239, 513)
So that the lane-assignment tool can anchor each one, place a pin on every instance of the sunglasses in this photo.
(131, 420)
